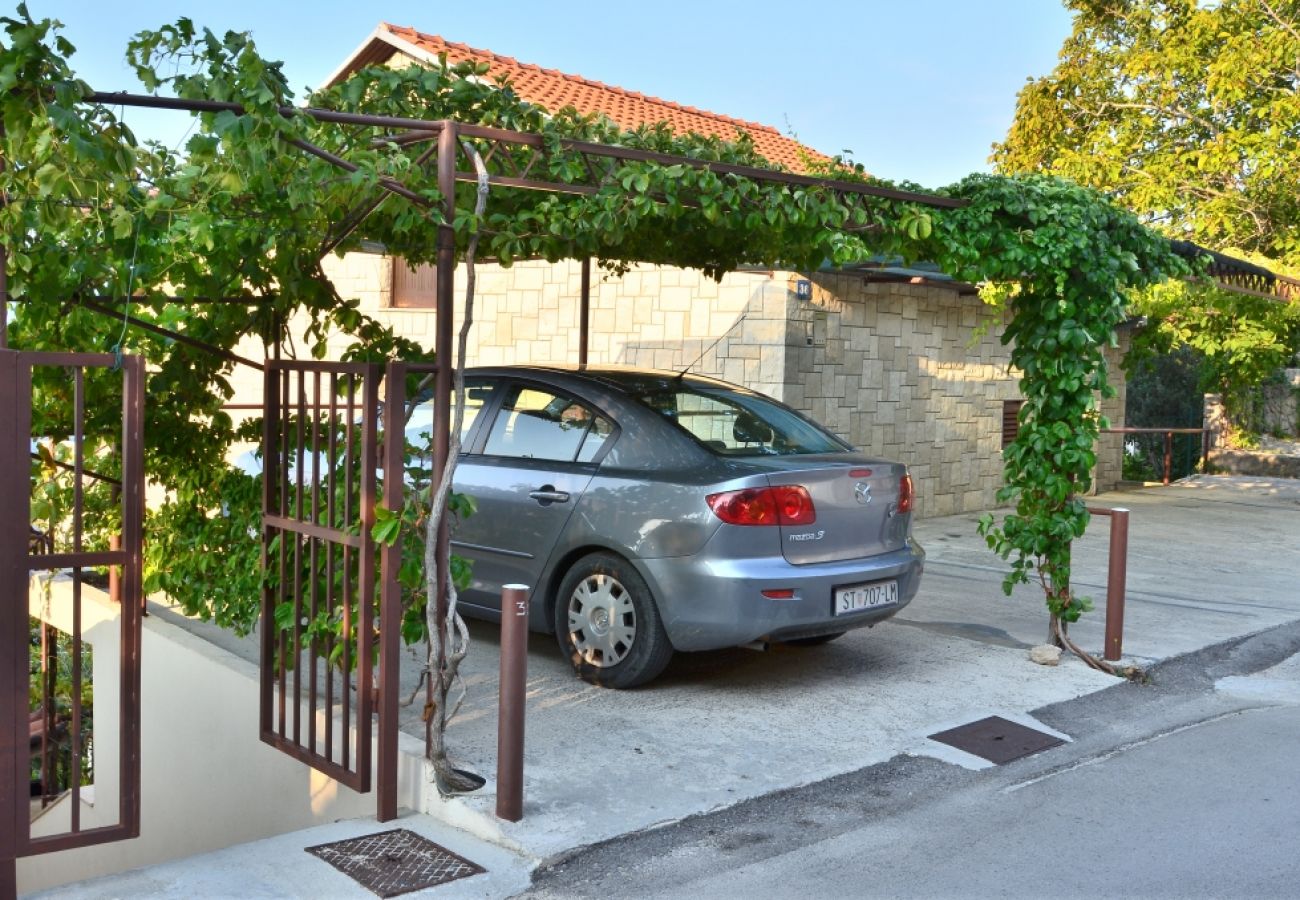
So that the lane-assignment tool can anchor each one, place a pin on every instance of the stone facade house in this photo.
(903, 363)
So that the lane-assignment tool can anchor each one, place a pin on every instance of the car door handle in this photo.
(547, 494)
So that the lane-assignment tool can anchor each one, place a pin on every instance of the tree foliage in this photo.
(1187, 112)
(240, 212)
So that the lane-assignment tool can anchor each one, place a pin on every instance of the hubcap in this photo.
(602, 621)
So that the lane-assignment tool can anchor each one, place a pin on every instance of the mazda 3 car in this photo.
(652, 512)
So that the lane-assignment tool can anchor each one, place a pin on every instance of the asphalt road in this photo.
(1186, 786)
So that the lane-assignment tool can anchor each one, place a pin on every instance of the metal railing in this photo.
(319, 561)
(1206, 441)
(48, 703)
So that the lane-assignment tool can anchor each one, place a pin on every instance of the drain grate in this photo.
(997, 739)
(395, 862)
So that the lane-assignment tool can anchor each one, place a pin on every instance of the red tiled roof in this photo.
(554, 90)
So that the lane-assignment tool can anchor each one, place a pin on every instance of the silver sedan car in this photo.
(654, 511)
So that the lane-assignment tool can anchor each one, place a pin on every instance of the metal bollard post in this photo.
(1116, 582)
(510, 713)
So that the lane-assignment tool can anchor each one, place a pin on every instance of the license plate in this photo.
(858, 597)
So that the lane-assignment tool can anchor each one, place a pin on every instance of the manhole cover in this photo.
(997, 739)
(395, 862)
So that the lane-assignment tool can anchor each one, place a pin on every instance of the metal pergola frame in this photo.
(512, 158)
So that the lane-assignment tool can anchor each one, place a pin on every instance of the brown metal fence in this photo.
(49, 703)
(320, 565)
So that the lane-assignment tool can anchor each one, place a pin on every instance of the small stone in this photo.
(1045, 655)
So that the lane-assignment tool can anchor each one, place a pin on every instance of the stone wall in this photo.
(896, 369)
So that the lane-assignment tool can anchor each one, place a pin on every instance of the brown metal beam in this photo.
(387, 184)
(124, 98)
(168, 333)
(425, 129)
(86, 472)
(358, 215)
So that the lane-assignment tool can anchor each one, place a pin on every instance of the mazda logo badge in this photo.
(862, 491)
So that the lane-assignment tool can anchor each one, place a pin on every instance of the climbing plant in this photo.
(239, 212)
(1069, 257)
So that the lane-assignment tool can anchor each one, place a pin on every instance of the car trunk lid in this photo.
(856, 505)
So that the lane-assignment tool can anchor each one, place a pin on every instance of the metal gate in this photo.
(320, 565)
(71, 472)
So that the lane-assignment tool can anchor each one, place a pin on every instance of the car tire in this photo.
(607, 623)
(815, 641)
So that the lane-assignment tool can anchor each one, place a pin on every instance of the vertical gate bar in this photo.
(349, 558)
(15, 499)
(313, 645)
(315, 448)
(300, 460)
(332, 486)
(132, 607)
(49, 687)
(78, 509)
(286, 509)
(366, 604)
(390, 611)
(445, 312)
(74, 764)
(584, 311)
(270, 487)
(78, 454)
(1116, 584)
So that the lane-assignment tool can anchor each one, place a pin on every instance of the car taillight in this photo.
(784, 505)
(905, 494)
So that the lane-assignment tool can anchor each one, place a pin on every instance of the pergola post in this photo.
(445, 312)
(584, 310)
(4, 265)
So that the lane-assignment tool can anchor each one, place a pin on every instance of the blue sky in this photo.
(917, 91)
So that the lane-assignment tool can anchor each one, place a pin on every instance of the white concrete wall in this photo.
(207, 780)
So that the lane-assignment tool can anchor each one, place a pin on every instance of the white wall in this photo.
(207, 780)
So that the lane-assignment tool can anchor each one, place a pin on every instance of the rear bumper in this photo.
(711, 603)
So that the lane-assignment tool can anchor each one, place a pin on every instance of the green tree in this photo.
(1184, 111)
(1188, 113)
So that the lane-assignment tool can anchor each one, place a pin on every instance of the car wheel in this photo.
(608, 625)
(815, 640)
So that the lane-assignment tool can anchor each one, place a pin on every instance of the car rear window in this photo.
(731, 423)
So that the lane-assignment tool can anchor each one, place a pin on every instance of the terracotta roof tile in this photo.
(553, 90)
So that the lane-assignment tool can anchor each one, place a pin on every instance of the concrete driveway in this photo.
(1210, 559)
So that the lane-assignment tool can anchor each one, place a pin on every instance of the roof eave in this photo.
(378, 47)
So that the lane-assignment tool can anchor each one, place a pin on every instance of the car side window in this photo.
(597, 436)
(538, 424)
(477, 396)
